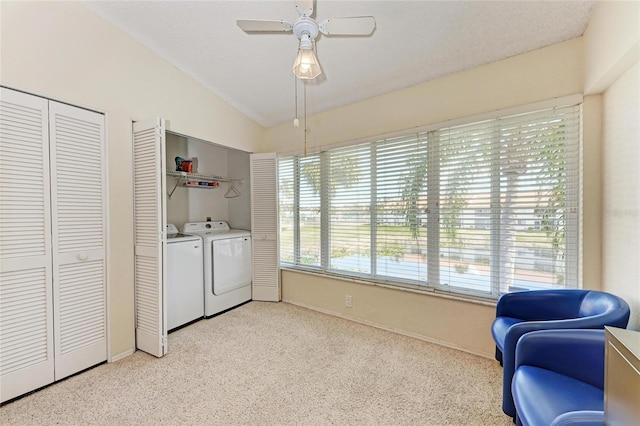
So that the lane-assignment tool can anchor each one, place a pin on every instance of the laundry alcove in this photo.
(154, 181)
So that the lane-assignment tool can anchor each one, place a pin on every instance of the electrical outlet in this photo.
(348, 301)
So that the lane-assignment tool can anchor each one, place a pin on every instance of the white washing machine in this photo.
(227, 265)
(185, 275)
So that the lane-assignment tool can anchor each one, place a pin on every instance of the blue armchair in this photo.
(559, 378)
(522, 312)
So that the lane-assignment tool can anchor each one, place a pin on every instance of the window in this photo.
(481, 208)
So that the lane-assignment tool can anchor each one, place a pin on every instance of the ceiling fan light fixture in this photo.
(306, 66)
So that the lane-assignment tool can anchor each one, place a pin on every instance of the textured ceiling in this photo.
(414, 41)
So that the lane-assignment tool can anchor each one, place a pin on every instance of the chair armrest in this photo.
(540, 305)
(574, 353)
(518, 330)
(583, 418)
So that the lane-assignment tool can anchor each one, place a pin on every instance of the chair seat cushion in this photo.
(500, 327)
(541, 395)
(582, 418)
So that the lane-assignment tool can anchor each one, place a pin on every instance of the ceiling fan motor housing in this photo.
(305, 26)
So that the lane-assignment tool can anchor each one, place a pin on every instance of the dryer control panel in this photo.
(205, 227)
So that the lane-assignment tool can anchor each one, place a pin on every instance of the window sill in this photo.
(399, 286)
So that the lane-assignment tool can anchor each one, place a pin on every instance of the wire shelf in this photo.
(183, 177)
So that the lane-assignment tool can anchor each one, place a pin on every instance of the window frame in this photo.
(432, 283)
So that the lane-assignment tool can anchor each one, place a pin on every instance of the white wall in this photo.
(178, 204)
(612, 43)
(621, 203)
(539, 75)
(592, 192)
(612, 51)
(239, 207)
(64, 51)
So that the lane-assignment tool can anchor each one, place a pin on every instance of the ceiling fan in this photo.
(306, 66)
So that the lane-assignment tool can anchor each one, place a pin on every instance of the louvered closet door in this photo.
(149, 213)
(264, 227)
(78, 193)
(26, 315)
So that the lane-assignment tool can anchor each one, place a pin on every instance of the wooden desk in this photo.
(622, 377)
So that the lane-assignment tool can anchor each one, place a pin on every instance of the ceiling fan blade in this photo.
(257, 25)
(357, 25)
(304, 7)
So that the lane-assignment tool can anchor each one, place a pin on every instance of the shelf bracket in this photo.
(178, 180)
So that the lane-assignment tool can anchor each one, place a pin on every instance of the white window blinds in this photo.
(482, 208)
(349, 209)
(287, 201)
(401, 207)
(508, 202)
(308, 184)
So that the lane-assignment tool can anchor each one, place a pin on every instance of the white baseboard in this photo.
(121, 355)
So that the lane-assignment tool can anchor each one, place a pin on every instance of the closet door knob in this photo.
(83, 256)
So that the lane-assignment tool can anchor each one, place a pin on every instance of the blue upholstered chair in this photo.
(519, 313)
(559, 378)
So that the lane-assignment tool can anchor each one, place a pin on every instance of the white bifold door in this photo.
(150, 245)
(264, 227)
(52, 241)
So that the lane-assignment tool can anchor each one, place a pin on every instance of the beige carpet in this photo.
(273, 364)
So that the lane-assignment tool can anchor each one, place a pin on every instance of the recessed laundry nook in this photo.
(208, 198)
(203, 190)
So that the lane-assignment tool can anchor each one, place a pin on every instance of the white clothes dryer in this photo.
(227, 264)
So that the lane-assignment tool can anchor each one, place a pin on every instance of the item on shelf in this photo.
(184, 165)
(215, 184)
(203, 183)
(191, 183)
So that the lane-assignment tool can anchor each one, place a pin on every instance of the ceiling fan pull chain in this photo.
(296, 122)
(305, 117)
